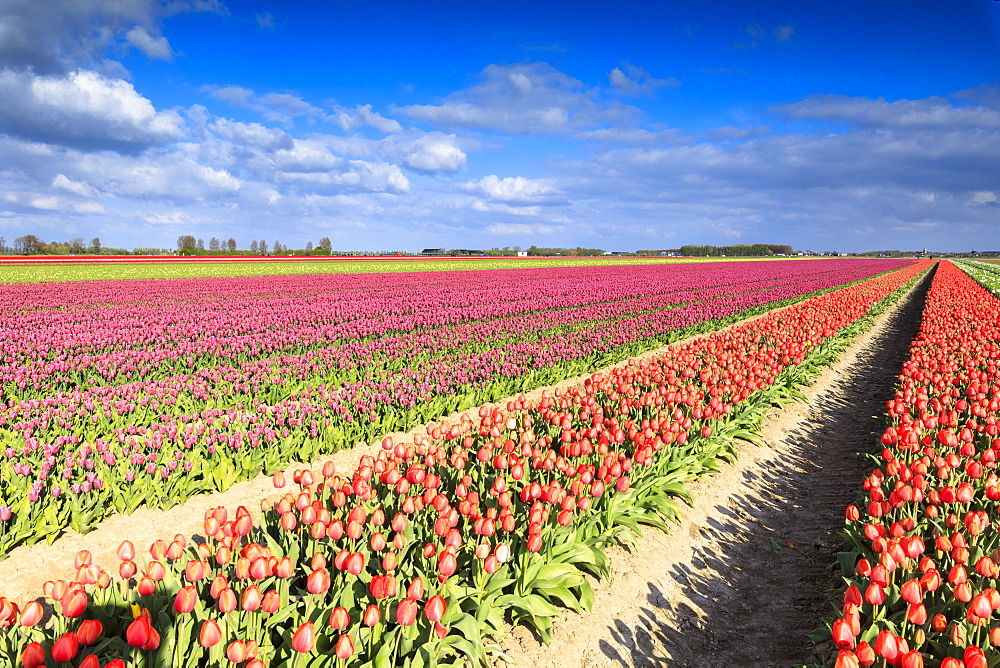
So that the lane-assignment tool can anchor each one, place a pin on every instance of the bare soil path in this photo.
(745, 576)
(723, 588)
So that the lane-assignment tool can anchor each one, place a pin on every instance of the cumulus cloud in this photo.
(83, 109)
(350, 120)
(929, 112)
(524, 99)
(629, 79)
(59, 37)
(252, 134)
(514, 190)
(278, 107)
(156, 47)
(432, 152)
(80, 188)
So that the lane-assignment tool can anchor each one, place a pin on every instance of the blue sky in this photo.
(398, 125)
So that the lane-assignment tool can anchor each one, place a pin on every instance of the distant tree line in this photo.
(30, 244)
(739, 250)
(573, 252)
(188, 244)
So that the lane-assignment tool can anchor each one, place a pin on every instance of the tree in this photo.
(278, 248)
(309, 246)
(186, 243)
(325, 243)
(3, 243)
(201, 245)
(253, 247)
(213, 244)
(76, 245)
(231, 244)
(262, 247)
(95, 245)
(29, 244)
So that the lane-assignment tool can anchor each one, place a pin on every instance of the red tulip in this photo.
(304, 638)
(271, 602)
(886, 646)
(406, 612)
(435, 608)
(318, 581)
(843, 635)
(846, 659)
(139, 631)
(339, 619)
(90, 661)
(372, 616)
(344, 648)
(65, 648)
(31, 613)
(210, 633)
(186, 599)
(237, 651)
(90, 630)
(33, 656)
(382, 586)
(227, 600)
(980, 606)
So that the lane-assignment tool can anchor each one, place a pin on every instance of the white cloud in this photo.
(83, 109)
(350, 120)
(57, 38)
(523, 230)
(252, 134)
(153, 46)
(632, 80)
(638, 136)
(500, 207)
(88, 207)
(265, 21)
(984, 197)
(515, 189)
(433, 152)
(784, 33)
(527, 99)
(166, 176)
(277, 107)
(77, 187)
(931, 112)
(46, 203)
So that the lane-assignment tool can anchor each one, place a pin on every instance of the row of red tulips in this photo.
(921, 581)
(425, 551)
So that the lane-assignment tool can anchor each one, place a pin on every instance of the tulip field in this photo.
(116, 395)
(922, 576)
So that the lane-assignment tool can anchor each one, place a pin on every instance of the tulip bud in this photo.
(406, 612)
(139, 631)
(344, 649)
(372, 616)
(33, 656)
(31, 614)
(435, 608)
(304, 638)
(210, 633)
(339, 619)
(90, 630)
(65, 648)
